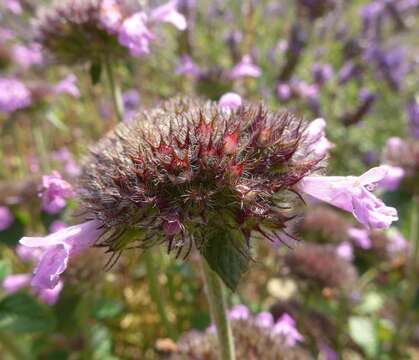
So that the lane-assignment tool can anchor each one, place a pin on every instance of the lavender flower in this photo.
(321, 73)
(14, 95)
(285, 326)
(186, 66)
(396, 243)
(393, 178)
(135, 35)
(351, 194)
(131, 99)
(230, 100)
(168, 13)
(57, 225)
(413, 116)
(14, 282)
(316, 137)
(14, 6)
(110, 15)
(361, 237)
(59, 248)
(345, 250)
(27, 56)
(55, 191)
(6, 218)
(239, 312)
(283, 91)
(67, 86)
(264, 319)
(245, 68)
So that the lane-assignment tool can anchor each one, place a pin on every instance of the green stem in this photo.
(402, 323)
(155, 293)
(41, 147)
(8, 343)
(217, 304)
(118, 105)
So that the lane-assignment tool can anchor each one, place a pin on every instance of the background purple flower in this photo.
(14, 95)
(28, 55)
(55, 191)
(6, 218)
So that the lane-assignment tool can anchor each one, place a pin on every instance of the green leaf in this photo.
(363, 332)
(227, 254)
(95, 72)
(107, 309)
(21, 313)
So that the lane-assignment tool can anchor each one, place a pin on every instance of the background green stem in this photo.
(155, 292)
(217, 304)
(8, 343)
(401, 335)
(118, 105)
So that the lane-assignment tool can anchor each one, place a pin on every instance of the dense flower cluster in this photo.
(178, 172)
(255, 337)
(14, 95)
(319, 265)
(77, 31)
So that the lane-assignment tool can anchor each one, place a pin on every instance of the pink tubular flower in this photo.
(396, 242)
(67, 86)
(6, 218)
(360, 237)
(59, 248)
(27, 55)
(168, 13)
(393, 178)
(245, 68)
(55, 191)
(264, 319)
(316, 137)
(110, 15)
(14, 6)
(135, 35)
(352, 194)
(230, 100)
(15, 282)
(285, 326)
(238, 312)
(345, 251)
(50, 296)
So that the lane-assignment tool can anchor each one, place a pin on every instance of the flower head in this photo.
(319, 265)
(255, 337)
(14, 95)
(345, 250)
(79, 31)
(352, 194)
(59, 247)
(190, 173)
(55, 191)
(6, 218)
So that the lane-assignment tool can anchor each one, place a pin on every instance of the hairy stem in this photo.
(155, 293)
(217, 304)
